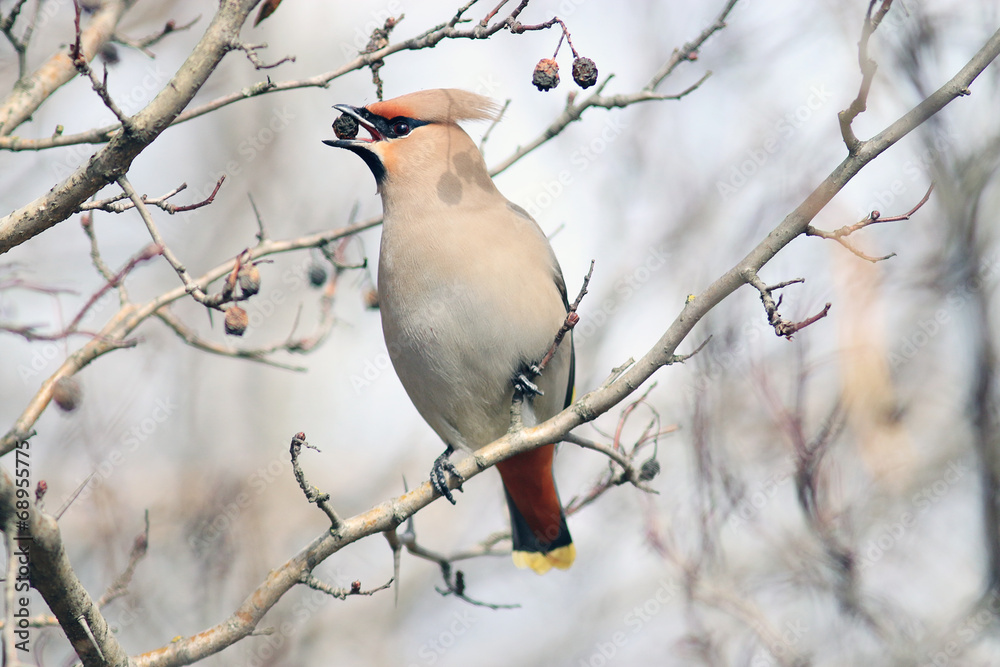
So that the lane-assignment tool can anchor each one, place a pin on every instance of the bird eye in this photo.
(401, 128)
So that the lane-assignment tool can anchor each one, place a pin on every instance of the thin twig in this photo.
(261, 231)
(146, 254)
(191, 338)
(143, 43)
(455, 582)
(868, 69)
(782, 327)
(251, 52)
(875, 217)
(342, 593)
(20, 44)
(83, 67)
(571, 321)
(119, 586)
(190, 285)
(313, 495)
(689, 51)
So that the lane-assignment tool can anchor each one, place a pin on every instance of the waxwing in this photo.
(471, 297)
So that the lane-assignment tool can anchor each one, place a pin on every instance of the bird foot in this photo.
(439, 475)
(526, 387)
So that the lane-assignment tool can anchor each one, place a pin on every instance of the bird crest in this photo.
(442, 105)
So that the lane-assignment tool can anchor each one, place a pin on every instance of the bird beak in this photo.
(357, 114)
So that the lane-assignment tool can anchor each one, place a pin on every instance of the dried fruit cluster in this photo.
(248, 278)
(546, 74)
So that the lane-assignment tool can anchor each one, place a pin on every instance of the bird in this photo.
(471, 299)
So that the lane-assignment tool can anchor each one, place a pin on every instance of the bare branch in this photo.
(114, 334)
(427, 39)
(52, 575)
(380, 40)
(341, 593)
(454, 582)
(58, 70)
(20, 44)
(689, 51)
(19, 283)
(629, 474)
(87, 223)
(194, 340)
(518, 28)
(313, 495)
(782, 327)
(192, 288)
(839, 235)
(82, 66)
(868, 68)
(114, 159)
(115, 204)
(251, 51)
(574, 111)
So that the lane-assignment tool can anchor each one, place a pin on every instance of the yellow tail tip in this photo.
(560, 559)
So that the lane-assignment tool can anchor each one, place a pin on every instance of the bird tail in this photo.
(537, 522)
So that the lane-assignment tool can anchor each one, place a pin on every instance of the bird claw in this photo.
(439, 475)
(525, 386)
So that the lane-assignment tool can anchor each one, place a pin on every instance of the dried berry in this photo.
(546, 74)
(109, 54)
(317, 275)
(67, 393)
(345, 127)
(249, 279)
(371, 299)
(584, 72)
(649, 470)
(236, 321)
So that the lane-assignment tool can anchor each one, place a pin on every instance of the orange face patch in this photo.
(391, 109)
(387, 153)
